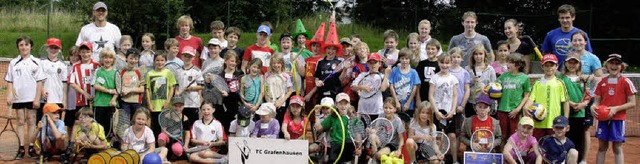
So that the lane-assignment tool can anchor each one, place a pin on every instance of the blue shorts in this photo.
(611, 130)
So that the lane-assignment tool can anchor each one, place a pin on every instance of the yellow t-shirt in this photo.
(96, 129)
(550, 93)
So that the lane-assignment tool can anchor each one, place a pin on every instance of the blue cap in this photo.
(560, 121)
(265, 29)
(483, 98)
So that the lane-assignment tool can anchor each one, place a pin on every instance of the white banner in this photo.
(261, 150)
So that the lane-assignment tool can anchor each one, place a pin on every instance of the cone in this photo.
(317, 38)
(300, 30)
(332, 39)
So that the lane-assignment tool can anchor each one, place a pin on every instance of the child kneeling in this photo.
(208, 132)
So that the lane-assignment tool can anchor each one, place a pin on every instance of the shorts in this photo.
(611, 130)
(22, 105)
(588, 118)
(70, 118)
(347, 153)
(449, 126)
(425, 152)
(391, 146)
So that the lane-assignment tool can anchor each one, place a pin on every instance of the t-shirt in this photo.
(421, 131)
(372, 105)
(392, 58)
(550, 93)
(575, 88)
(262, 53)
(268, 130)
(59, 125)
(82, 75)
(467, 44)
(310, 70)
(100, 37)
(557, 150)
(464, 78)
(205, 51)
(327, 70)
(294, 128)
(214, 66)
(523, 146)
(487, 76)
(332, 124)
(500, 69)
(444, 91)
(273, 86)
(426, 69)
(513, 89)
(174, 65)
(159, 83)
(189, 77)
(24, 74)
(106, 79)
(559, 43)
(398, 126)
(614, 92)
(139, 144)
(208, 131)
(239, 130)
(289, 63)
(403, 84)
(194, 42)
(95, 129)
(131, 80)
(57, 75)
(590, 63)
(251, 89)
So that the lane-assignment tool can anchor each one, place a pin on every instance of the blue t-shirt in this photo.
(556, 151)
(59, 125)
(463, 78)
(590, 63)
(404, 84)
(559, 43)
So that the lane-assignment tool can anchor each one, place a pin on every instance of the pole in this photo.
(228, 13)
(49, 18)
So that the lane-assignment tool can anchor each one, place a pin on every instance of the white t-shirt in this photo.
(420, 131)
(24, 74)
(185, 77)
(205, 50)
(443, 93)
(211, 64)
(56, 74)
(239, 130)
(100, 37)
(211, 132)
(372, 105)
(139, 144)
(392, 56)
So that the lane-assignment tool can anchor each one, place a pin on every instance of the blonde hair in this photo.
(469, 14)
(455, 51)
(444, 58)
(145, 112)
(415, 58)
(277, 57)
(153, 40)
(170, 43)
(107, 53)
(229, 55)
(478, 48)
(184, 19)
(357, 50)
(424, 21)
(424, 105)
(606, 64)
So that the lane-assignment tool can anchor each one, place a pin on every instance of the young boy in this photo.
(396, 144)
(56, 140)
(81, 75)
(516, 87)
(214, 64)
(129, 83)
(559, 148)
(558, 41)
(55, 70)
(184, 38)
(424, 30)
(333, 127)
(88, 134)
(260, 50)
(390, 52)
(427, 68)
(300, 37)
(314, 45)
(172, 47)
(190, 85)
(217, 32)
(372, 105)
(481, 121)
(177, 103)
(469, 38)
(242, 125)
(617, 93)
(405, 81)
(549, 92)
(327, 72)
(443, 87)
(291, 60)
(232, 35)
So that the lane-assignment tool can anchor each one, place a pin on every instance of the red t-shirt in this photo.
(262, 53)
(477, 124)
(294, 128)
(194, 42)
(614, 92)
(310, 69)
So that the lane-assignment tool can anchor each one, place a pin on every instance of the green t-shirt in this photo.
(333, 123)
(159, 84)
(106, 79)
(576, 93)
(305, 54)
(550, 93)
(513, 89)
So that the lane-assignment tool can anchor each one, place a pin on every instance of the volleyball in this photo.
(538, 112)
(494, 90)
(603, 112)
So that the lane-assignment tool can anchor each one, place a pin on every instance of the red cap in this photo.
(549, 58)
(54, 42)
(86, 44)
(296, 100)
(189, 50)
(374, 56)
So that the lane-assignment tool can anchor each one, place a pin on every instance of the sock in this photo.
(21, 148)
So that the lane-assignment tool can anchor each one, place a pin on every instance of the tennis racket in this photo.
(43, 136)
(517, 151)
(371, 80)
(10, 137)
(357, 132)
(217, 81)
(119, 123)
(171, 124)
(441, 144)
(382, 131)
(544, 147)
(275, 86)
(482, 140)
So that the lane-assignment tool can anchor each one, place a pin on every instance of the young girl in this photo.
(372, 106)
(332, 125)
(159, 89)
(397, 142)
(500, 65)
(251, 88)
(70, 112)
(617, 93)
(523, 141)
(293, 123)
(413, 43)
(104, 83)
(177, 149)
(482, 75)
(361, 52)
(516, 87)
(444, 87)
(267, 127)
(404, 80)
(139, 136)
(419, 134)
(148, 50)
(208, 132)
(120, 61)
(274, 80)
(131, 88)
(232, 77)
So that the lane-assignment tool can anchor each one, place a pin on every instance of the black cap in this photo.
(133, 51)
(244, 116)
(286, 35)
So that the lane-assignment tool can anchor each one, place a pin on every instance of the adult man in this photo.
(100, 33)
(558, 41)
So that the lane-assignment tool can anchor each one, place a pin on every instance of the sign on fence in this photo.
(484, 158)
(262, 150)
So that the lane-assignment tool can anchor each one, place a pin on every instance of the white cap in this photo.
(214, 41)
(328, 101)
(266, 109)
(342, 96)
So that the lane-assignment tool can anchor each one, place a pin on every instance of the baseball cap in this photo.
(560, 121)
(296, 100)
(328, 101)
(244, 116)
(50, 107)
(374, 56)
(483, 98)
(346, 40)
(286, 35)
(177, 99)
(342, 96)
(266, 109)
(574, 57)
(99, 5)
(54, 42)
(265, 29)
(189, 50)
(86, 44)
(526, 121)
(615, 57)
(549, 58)
(133, 51)
(214, 41)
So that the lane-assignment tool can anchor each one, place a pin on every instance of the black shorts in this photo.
(22, 105)
(588, 118)
(347, 153)
(70, 118)
(391, 146)
(451, 124)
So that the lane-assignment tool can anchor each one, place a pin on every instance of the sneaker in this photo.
(32, 152)
(20, 154)
(64, 158)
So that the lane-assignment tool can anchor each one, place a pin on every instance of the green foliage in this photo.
(8, 40)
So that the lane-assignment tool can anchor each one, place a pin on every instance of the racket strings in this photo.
(171, 123)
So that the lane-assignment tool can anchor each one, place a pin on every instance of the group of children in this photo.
(267, 89)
